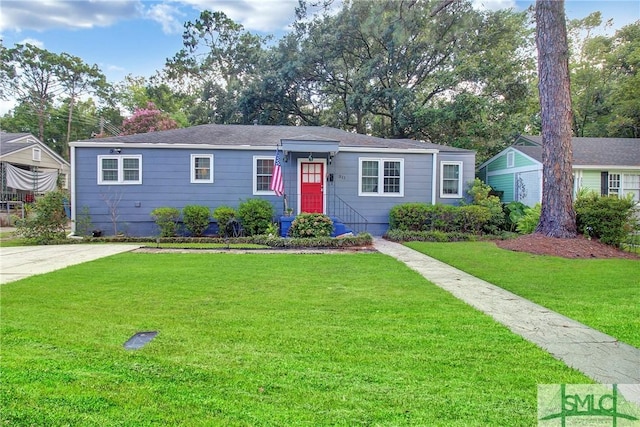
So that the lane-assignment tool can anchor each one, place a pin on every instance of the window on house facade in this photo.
(381, 177)
(511, 159)
(262, 172)
(614, 183)
(631, 186)
(36, 154)
(450, 179)
(201, 168)
(119, 170)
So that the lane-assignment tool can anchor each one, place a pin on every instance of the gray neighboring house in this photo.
(605, 165)
(354, 178)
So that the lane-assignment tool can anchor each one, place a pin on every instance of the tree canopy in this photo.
(426, 69)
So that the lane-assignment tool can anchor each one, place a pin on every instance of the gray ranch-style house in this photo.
(604, 165)
(356, 179)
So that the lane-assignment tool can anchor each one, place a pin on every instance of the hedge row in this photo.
(421, 217)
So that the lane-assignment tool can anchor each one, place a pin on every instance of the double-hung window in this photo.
(262, 173)
(614, 183)
(450, 179)
(201, 168)
(119, 170)
(381, 177)
(632, 186)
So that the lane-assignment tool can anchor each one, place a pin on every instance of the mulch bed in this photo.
(579, 247)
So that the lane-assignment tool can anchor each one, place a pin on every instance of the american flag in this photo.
(277, 184)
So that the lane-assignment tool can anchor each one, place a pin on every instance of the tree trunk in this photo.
(558, 218)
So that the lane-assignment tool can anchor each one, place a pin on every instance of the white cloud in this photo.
(255, 15)
(19, 15)
(167, 16)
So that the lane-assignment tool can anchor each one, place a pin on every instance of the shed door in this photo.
(528, 188)
(311, 187)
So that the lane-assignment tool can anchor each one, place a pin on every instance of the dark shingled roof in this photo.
(591, 151)
(259, 135)
(10, 142)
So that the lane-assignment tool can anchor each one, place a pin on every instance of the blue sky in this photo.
(137, 36)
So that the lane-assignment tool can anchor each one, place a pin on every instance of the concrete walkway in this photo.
(24, 261)
(597, 355)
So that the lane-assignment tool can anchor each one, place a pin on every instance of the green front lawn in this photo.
(601, 293)
(259, 339)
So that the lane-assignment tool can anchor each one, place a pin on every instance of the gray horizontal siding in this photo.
(166, 182)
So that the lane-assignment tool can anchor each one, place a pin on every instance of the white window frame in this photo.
(254, 187)
(458, 195)
(36, 154)
(613, 179)
(120, 158)
(380, 192)
(628, 188)
(195, 180)
(511, 159)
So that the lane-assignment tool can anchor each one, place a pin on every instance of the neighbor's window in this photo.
(201, 168)
(381, 177)
(632, 186)
(511, 159)
(614, 183)
(36, 154)
(450, 179)
(114, 170)
(262, 172)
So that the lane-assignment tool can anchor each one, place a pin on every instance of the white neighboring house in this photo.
(605, 165)
(28, 168)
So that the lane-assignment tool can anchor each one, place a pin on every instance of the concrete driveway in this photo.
(24, 261)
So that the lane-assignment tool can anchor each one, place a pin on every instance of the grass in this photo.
(9, 239)
(601, 293)
(259, 339)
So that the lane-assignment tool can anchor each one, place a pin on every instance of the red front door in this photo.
(311, 187)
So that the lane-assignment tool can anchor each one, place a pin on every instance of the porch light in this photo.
(310, 157)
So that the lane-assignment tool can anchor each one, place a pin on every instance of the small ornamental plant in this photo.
(311, 225)
(196, 219)
(167, 220)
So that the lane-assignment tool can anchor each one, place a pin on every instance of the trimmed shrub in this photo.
(442, 218)
(46, 223)
(166, 219)
(409, 216)
(223, 216)
(311, 225)
(417, 217)
(608, 218)
(256, 215)
(472, 218)
(196, 219)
